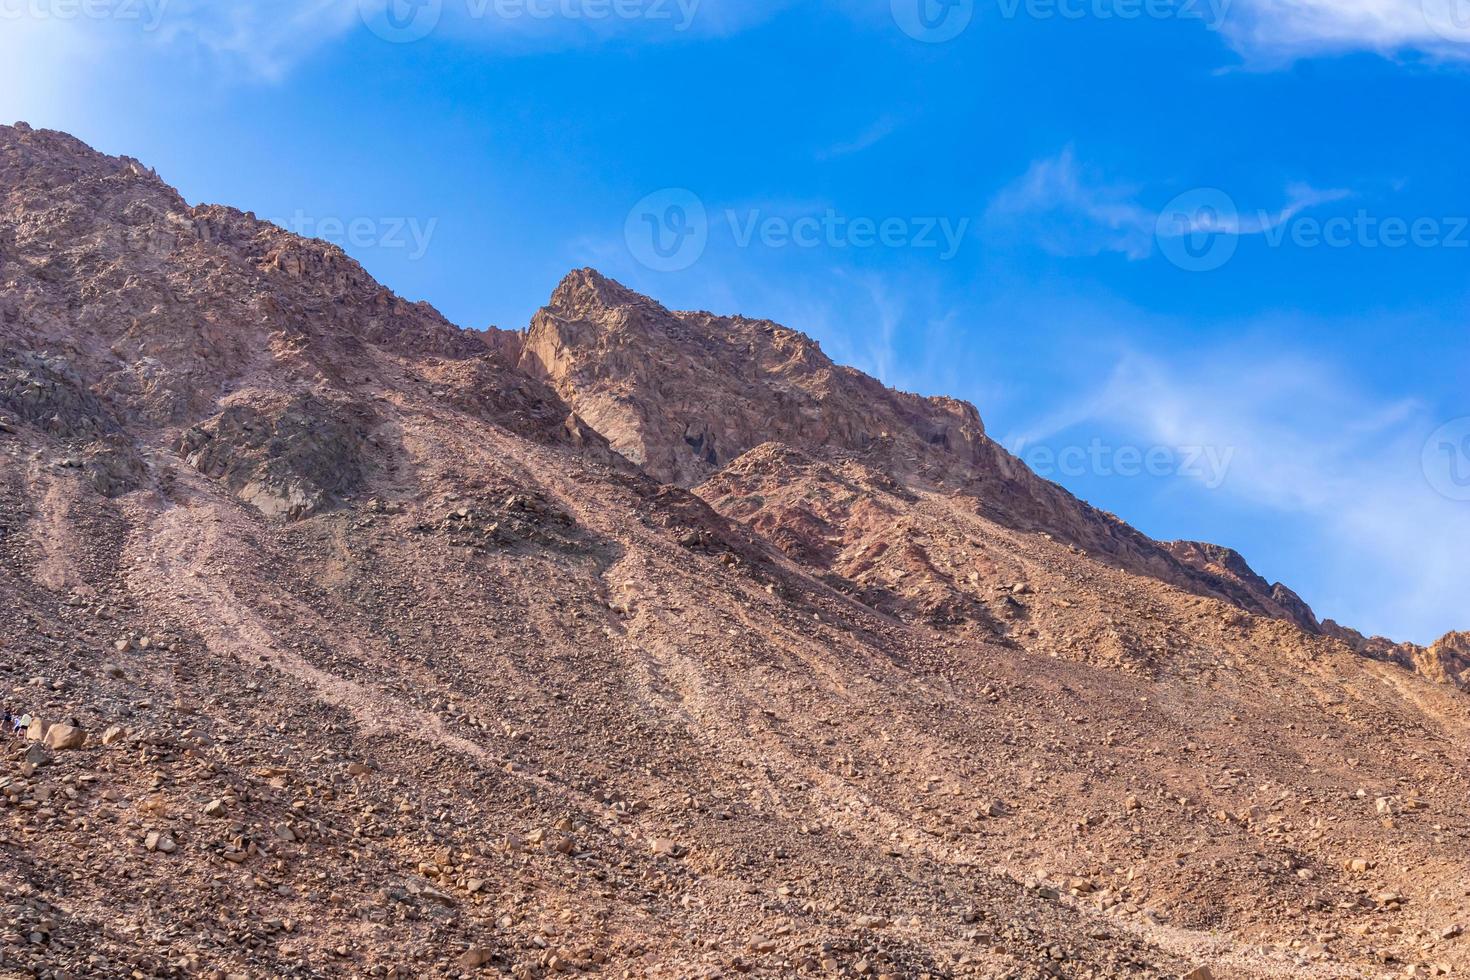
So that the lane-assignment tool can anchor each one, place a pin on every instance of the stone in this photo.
(65, 737)
(112, 735)
(160, 842)
(37, 729)
(214, 808)
(1200, 973)
(664, 847)
(474, 958)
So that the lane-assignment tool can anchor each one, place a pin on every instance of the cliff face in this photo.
(637, 644)
(686, 394)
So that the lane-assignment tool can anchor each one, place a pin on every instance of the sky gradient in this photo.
(1203, 262)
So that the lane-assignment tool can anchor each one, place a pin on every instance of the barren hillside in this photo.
(638, 644)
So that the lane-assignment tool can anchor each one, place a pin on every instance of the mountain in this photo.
(636, 644)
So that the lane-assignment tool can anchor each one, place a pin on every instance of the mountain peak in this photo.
(585, 291)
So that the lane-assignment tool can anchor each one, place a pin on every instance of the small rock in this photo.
(474, 958)
(664, 847)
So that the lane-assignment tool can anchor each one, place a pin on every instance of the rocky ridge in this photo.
(356, 644)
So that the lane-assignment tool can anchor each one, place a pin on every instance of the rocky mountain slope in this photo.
(641, 644)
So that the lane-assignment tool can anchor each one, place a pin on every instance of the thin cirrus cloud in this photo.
(1282, 30)
(1340, 467)
(264, 40)
(1071, 210)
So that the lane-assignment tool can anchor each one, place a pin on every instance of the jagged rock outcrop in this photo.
(685, 394)
(1228, 565)
(287, 460)
(1446, 662)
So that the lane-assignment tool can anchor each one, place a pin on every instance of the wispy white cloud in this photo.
(53, 55)
(870, 137)
(1070, 209)
(1075, 211)
(1309, 448)
(264, 38)
(1278, 30)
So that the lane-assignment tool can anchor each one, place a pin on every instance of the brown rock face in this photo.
(686, 394)
(401, 667)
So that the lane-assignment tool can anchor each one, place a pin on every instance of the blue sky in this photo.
(1202, 261)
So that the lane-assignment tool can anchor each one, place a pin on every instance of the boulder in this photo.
(64, 737)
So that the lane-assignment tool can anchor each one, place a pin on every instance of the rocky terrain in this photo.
(637, 644)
